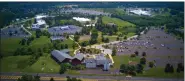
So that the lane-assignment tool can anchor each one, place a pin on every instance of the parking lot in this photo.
(13, 31)
(158, 46)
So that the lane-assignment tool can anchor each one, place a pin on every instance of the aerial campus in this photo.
(92, 41)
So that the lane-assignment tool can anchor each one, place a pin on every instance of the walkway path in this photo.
(76, 43)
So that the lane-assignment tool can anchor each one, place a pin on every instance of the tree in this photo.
(94, 36)
(180, 66)
(133, 55)
(151, 64)
(61, 46)
(76, 37)
(144, 54)
(125, 37)
(38, 33)
(128, 69)
(106, 40)
(29, 78)
(143, 60)
(66, 46)
(25, 78)
(64, 67)
(178, 70)
(23, 41)
(114, 51)
(36, 78)
(139, 68)
(171, 69)
(117, 38)
(51, 79)
(167, 68)
(72, 79)
(84, 43)
(136, 53)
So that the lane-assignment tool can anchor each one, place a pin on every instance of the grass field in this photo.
(130, 34)
(9, 45)
(159, 72)
(123, 26)
(39, 42)
(45, 64)
(84, 38)
(111, 38)
(118, 22)
(123, 59)
(69, 42)
(14, 63)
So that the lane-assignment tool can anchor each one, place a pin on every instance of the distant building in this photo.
(77, 59)
(40, 23)
(99, 61)
(111, 24)
(60, 30)
(53, 38)
(90, 63)
(60, 57)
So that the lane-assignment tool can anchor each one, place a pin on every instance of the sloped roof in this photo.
(60, 56)
(57, 38)
(79, 56)
(65, 50)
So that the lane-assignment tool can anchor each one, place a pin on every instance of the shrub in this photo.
(79, 67)
(144, 54)
(133, 55)
(143, 61)
(151, 64)
(136, 53)
(139, 68)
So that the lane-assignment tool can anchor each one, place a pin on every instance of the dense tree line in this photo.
(42, 33)
(10, 11)
(67, 66)
(104, 28)
(94, 36)
(29, 78)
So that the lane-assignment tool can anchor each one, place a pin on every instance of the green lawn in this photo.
(69, 42)
(45, 64)
(159, 72)
(123, 59)
(9, 45)
(39, 42)
(14, 63)
(118, 22)
(130, 34)
(111, 38)
(84, 38)
(123, 26)
(73, 72)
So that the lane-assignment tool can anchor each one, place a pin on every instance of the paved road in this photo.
(45, 76)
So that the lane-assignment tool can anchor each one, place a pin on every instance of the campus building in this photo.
(60, 30)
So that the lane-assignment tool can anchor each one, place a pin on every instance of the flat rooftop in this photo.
(70, 29)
